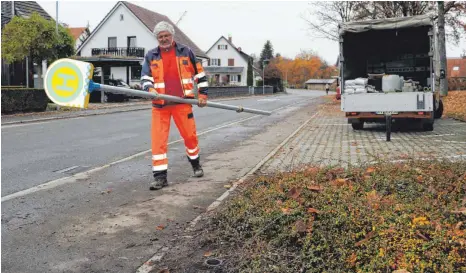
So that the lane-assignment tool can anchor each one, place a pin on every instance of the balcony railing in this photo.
(119, 51)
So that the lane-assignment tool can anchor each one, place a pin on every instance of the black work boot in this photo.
(197, 168)
(160, 180)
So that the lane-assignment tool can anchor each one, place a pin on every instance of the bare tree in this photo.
(442, 49)
(324, 17)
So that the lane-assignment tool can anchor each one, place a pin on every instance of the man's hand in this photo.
(202, 102)
(152, 90)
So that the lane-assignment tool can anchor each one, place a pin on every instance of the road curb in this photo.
(219, 200)
(148, 266)
(113, 112)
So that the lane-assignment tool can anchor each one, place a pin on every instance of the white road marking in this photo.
(66, 169)
(450, 141)
(84, 175)
(267, 100)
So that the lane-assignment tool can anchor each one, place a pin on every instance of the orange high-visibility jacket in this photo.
(189, 70)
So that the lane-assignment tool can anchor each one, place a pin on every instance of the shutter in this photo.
(208, 62)
(219, 62)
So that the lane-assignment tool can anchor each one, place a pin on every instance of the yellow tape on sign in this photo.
(66, 82)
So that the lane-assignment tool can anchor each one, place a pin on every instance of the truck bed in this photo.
(396, 102)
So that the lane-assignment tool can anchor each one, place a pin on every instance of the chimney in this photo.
(229, 38)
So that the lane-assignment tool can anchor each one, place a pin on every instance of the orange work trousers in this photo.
(183, 116)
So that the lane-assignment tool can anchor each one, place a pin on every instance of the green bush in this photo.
(23, 100)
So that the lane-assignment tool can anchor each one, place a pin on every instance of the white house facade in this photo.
(126, 35)
(227, 65)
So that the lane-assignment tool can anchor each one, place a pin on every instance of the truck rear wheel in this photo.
(358, 125)
(428, 126)
(439, 111)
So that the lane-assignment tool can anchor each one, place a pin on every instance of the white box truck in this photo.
(387, 71)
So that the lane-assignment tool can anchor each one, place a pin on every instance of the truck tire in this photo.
(428, 126)
(439, 111)
(358, 126)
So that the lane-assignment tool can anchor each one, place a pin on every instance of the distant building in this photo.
(319, 84)
(228, 64)
(79, 34)
(118, 44)
(456, 73)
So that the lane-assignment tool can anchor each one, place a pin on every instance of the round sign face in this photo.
(66, 82)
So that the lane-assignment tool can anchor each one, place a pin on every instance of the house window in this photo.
(121, 17)
(112, 42)
(214, 62)
(456, 68)
(236, 78)
(231, 62)
(136, 72)
(223, 47)
(131, 41)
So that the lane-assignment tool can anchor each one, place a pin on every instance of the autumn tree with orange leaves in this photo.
(306, 65)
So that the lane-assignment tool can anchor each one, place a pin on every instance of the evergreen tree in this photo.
(266, 54)
(250, 79)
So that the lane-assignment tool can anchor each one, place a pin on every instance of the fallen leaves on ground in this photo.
(396, 216)
(160, 227)
(455, 105)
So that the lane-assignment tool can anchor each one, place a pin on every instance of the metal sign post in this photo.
(69, 83)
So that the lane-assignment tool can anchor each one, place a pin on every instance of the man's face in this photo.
(165, 39)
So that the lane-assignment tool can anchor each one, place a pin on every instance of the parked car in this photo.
(111, 97)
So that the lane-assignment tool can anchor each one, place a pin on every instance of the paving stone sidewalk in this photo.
(329, 140)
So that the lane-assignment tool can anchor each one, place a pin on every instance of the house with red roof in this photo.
(456, 73)
(120, 41)
(79, 34)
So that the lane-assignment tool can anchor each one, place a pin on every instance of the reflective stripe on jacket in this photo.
(189, 70)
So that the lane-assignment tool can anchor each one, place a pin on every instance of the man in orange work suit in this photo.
(171, 68)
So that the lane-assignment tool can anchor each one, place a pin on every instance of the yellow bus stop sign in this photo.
(66, 82)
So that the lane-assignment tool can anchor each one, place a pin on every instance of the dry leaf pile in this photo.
(380, 218)
(455, 105)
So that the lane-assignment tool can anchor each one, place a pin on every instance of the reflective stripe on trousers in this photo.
(183, 116)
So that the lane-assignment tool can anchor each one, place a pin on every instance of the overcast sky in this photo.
(251, 24)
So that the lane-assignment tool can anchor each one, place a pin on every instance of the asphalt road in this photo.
(33, 154)
(46, 229)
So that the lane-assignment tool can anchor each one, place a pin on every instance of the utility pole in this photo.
(442, 49)
(56, 21)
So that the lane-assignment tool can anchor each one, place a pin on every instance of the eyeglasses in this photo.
(160, 37)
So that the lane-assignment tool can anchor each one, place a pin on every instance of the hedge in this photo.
(23, 100)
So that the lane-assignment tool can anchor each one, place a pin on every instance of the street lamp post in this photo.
(263, 76)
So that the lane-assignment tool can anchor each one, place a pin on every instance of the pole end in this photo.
(93, 86)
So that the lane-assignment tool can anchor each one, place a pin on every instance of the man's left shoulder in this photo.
(183, 47)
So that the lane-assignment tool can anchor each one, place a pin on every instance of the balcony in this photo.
(119, 51)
